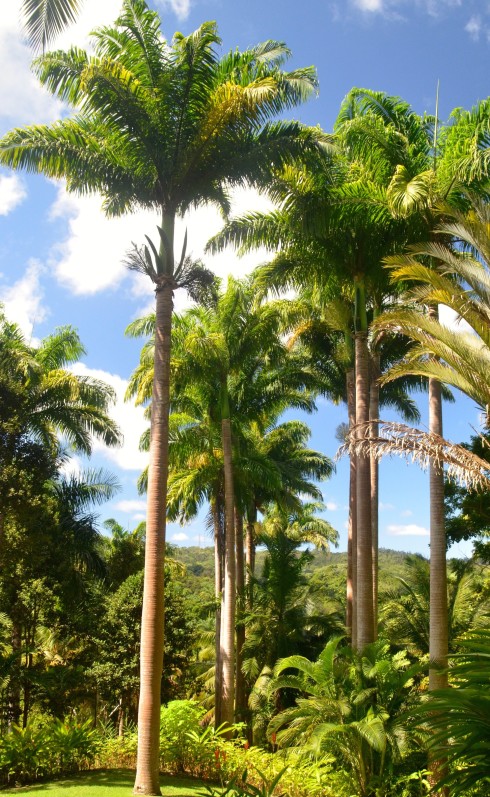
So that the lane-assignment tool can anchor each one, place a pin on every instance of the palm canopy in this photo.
(420, 161)
(50, 400)
(163, 125)
(459, 279)
(231, 353)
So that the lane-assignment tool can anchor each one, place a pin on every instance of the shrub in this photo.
(46, 749)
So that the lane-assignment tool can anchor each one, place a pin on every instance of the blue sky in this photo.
(61, 261)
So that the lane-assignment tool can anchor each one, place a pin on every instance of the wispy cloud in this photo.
(180, 536)
(406, 513)
(131, 506)
(23, 300)
(180, 8)
(12, 192)
(474, 27)
(385, 507)
(331, 506)
(411, 530)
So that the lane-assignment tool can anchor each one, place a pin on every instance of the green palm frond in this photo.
(45, 19)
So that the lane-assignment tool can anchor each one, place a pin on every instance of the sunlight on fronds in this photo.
(421, 447)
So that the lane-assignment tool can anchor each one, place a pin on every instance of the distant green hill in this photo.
(326, 571)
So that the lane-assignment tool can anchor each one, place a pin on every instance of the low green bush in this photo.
(46, 749)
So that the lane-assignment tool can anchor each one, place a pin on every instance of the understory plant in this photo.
(46, 749)
(353, 707)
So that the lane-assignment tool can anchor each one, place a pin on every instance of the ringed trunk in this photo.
(240, 694)
(364, 585)
(374, 432)
(228, 604)
(151, 657)
(217, 510)
(352, 529)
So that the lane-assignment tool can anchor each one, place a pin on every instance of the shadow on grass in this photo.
(110, 783)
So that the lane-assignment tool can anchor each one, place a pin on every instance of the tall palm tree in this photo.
(421, 165)
(230, 369)
(168, 127)
(332, 228)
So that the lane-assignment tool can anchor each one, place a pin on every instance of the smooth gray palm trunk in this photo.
(364, 581)
(218, 589)
(374, 432)
(152, 621)
(240, 692)
(350, 619)
(228, 604)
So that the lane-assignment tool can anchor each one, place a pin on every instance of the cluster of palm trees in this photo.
(171, 126)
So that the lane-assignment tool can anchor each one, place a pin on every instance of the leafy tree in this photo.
(116, 668)
(468, 511)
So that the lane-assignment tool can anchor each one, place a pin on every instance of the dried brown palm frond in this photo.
(421, 447)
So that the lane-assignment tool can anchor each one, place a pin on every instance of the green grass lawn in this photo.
(108, 783)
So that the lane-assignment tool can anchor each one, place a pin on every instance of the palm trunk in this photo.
(364, 585)
(218, 589)
(250, 556)
(151, 657)
(374, 431)
(352, 530)
(438, 612)
(229, 597)
(240, 693)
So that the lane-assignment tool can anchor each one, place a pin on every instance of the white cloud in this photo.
(23, 300)
(180, 8)
(385, 507)
(180, 536)
(406, 513)
(22, 99)
(331, 506)
(131, 506)
(12, 192)
(388, 8)
(369, 5)
(72, 466)
(130, 420)
(450, 319)
(410, 530)
(90, 259)
(473, 27)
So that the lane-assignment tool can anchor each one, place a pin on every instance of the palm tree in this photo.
(166, 127)
(230, 371)
(406, 613)
(45, 19)
(421, 167)
(332, 229)
(463, 712)
(50, 400)
(460, 279)
(349, 704)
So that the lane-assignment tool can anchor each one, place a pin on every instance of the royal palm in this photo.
(161, 126)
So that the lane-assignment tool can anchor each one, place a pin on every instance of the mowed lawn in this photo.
(108, 783)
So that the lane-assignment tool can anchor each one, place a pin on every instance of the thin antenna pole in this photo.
(436, 127)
